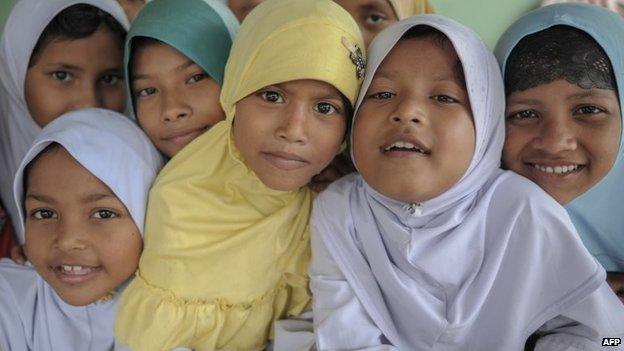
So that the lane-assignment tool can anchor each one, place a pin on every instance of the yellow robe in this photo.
(224, 255)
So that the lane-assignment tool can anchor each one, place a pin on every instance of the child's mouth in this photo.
(404, 146)
(75, 274)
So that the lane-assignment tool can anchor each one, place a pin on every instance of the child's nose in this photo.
(555, 136)
(70, 236)
(174, 107)
(294, 125)
(408, 110)
(87, 98)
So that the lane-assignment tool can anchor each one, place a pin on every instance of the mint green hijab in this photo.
(202, 30)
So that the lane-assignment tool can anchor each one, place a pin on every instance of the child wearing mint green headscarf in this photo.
(175, 57)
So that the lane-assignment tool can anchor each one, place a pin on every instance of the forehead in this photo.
(55, 171)
(103, 40)
(424, 55)
(308, 84)
(156, 53)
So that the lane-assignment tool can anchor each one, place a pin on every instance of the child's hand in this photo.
(339, 167)
(616, 281)
(17, 255)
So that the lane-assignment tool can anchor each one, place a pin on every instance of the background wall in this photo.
(489, 18)
(5, 7)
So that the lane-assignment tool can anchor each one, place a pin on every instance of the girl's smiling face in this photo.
(414, 137)
(72, 74)
(372, 16)
(562, 137)
(79, 236)
(289, 132)
(174, 98)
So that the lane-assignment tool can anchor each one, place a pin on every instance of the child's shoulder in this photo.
(339, 191)
(15, 279)
(517, 190)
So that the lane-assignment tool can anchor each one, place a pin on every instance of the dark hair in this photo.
(426, 32)
(76, 22)
(559, 52)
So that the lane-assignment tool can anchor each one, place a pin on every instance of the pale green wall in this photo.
(5, 7)
(489, 18)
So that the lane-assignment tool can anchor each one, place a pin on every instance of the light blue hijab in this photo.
(598, 214)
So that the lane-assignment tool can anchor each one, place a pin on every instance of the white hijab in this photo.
(18, 129)
(481, 266)
(117, 152)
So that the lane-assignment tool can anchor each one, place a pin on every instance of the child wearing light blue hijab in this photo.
(564, 73)
(81, 193)
(432, 246)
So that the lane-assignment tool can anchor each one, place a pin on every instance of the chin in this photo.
(282, 184)
(78, 299)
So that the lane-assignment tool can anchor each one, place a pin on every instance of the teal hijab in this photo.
(598, 214)
(202, 30)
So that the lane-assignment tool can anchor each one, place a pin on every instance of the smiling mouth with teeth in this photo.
(557, 170)
(404, 146)
(74, 270)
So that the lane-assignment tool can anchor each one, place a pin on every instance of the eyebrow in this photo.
(376, 5)
(66, 66)
(388, 74)
(523, 101)
(40, 198)
(186, 64)
(96, 197)
(583, 95)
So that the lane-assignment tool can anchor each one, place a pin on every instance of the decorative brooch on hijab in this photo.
(356, 57)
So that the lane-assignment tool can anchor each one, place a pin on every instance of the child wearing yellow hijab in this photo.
(373, 15)
(227, 238)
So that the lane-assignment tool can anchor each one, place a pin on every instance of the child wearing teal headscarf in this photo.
(175, 58)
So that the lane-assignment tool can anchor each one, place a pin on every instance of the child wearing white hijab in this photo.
(432, 245)
(81, 193)
(33, 91)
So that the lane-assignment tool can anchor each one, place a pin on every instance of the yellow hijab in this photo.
(224, 254)
(409, 8)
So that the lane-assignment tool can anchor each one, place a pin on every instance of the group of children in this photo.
(429, 245)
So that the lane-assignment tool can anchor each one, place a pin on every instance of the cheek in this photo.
(245, 132)
(37, 246)
(120, 251)
(603, 147)
(330, 137)
(148, 119)
(44, 103)
(516, 140)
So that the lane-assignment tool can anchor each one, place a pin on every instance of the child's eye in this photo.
(104, 214)
(522, 115)
(63, 76)
(196, 78)
(43, 214)
(325, 108)
(445, 99)
(146, 92)
(111, 79)
(384, 95)
(375, 19)
(588, 110)
(271, 96)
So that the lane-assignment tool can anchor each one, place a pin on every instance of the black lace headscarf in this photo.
(559, 52)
